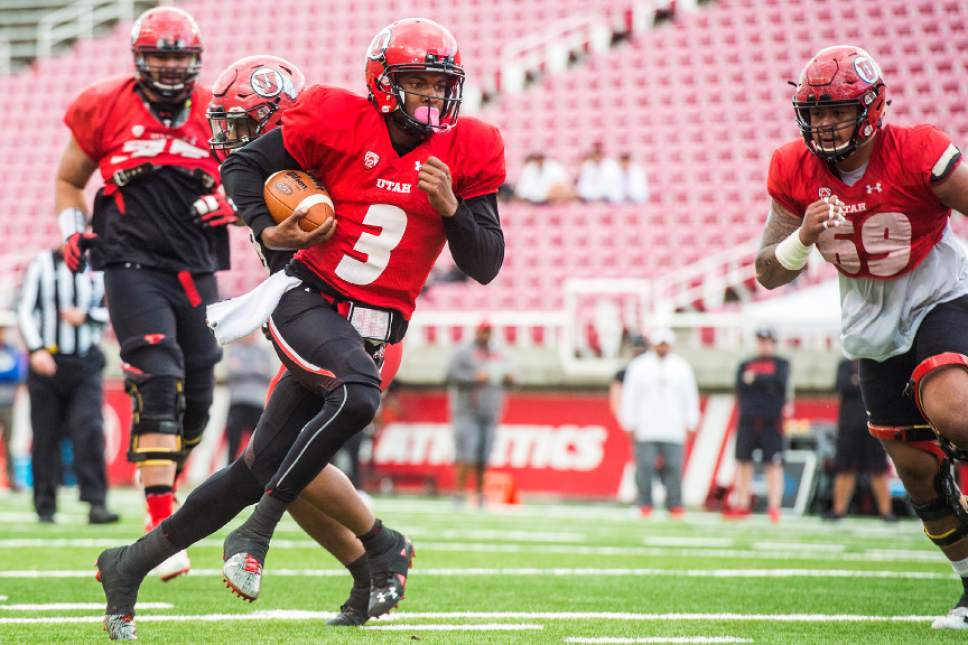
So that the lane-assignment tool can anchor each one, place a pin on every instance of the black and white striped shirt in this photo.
(48, 288)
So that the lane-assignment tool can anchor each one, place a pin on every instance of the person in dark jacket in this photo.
(762, 392)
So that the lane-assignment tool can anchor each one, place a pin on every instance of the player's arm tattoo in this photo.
(769, 272)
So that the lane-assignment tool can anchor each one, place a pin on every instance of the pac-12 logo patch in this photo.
(370, 160)
(825, 192)
(267, 82)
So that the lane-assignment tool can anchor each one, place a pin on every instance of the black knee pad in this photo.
(361, 405)
(949, 503)
(155, 409)
(155, 396)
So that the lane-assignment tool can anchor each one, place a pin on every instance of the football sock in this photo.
(360, 570)
(256, 532)
(213, 504)
(377, 540)
(159, 500)
(148, 552)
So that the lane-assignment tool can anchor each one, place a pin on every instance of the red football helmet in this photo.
(840, 76)
(171, 31)
(248, 99)
(414, 45)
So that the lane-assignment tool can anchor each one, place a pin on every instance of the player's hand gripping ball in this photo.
(820, 216)
(293, 192)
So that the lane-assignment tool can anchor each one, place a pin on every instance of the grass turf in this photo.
(634, 576)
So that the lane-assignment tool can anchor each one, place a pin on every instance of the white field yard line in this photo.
(831, 553)
(551, 571)
(78, 606)
(485, 627)
(656, 639)
(290, 614)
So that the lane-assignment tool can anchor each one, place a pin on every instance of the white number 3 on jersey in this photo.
(392, 222)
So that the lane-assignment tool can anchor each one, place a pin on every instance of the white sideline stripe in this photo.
(487, 627)
(69, 606)
(657, 639)
(289, 614)
(831, 553)
(553, 572)
(824, 554)
(798, 546)
(673, 540)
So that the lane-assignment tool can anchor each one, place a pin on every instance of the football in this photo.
(288, 190)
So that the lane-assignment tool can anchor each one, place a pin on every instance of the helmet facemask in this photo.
(236, 128)
(822, 139)
(427, 118)
(171, 83)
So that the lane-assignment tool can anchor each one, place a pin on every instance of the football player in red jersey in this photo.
(875, 200)
(146, 135)
(248, 99)
(406, 177)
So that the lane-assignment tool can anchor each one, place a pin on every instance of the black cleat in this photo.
(388, 575)
(353, 613)
(121, 593)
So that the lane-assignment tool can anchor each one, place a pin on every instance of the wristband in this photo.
(71, 221)
(791, 253)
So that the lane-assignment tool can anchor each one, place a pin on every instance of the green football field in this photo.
(538, 573)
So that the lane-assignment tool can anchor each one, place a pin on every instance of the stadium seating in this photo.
(701, 102)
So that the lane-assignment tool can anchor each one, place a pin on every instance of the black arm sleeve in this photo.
(475, 237)
(245, 171)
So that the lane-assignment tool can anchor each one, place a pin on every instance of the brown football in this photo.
(287, 190)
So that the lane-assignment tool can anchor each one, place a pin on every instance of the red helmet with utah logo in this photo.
(841, 76)
(248, 99)
(414, 45)
(167, 32)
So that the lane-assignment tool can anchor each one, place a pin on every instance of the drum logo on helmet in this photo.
(866, 69)
(267, 82)
(379, 45)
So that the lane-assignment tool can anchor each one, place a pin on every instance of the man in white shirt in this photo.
(542, 181)
(635, 184)
(600, 177)
(660, 407)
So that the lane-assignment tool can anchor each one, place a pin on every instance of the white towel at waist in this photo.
(232, 319)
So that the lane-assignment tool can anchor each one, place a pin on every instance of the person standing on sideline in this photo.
(659, 409)
(639, 346)
(857, 451)
(478, 375)
(251, 366)
(61, 315)
(762, 391)
(12, 368)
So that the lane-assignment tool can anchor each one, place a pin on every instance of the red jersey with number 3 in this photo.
(388, 236)
(893, 217)
(148, 221)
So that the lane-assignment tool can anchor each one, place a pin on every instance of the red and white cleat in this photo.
(174, 566)
(242, 574)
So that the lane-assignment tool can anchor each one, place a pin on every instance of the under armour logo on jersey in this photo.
(416, 166)
(875, 187)
(370, 160)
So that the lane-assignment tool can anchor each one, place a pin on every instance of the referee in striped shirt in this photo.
(61, 316)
